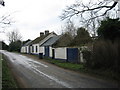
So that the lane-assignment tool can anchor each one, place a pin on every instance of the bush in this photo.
(87, 57)
(15, 46)
(105, 55)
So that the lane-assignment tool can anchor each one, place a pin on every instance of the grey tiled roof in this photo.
(28, 43)
(51, 41)
(38, 39)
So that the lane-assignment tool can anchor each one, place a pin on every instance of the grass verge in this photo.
(66, 65)
(7, 78)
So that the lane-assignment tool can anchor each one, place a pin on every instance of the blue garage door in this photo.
(46, 51)
(72, 55)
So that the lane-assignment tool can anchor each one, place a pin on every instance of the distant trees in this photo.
(15, 46)
(15, 40)
(3, 46)
(14, 36)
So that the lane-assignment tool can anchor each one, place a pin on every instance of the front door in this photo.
(46, 51)
(72, 55)
(53, 53)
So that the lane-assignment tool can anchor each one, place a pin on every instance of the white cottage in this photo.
(36, 47)
(48, 49)
(26, 47)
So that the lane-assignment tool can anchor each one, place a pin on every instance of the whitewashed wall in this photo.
(61, 53)
(36, 45)
(30, 49)
(41, 50)
(27, 48)
(50, 51)
(23, 50)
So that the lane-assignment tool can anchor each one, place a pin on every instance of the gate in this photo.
(72, 55)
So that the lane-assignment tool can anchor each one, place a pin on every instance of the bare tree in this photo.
(2, 2)
(69, 28)
(5, 21)
(90, 12)
(14, 36)
(92, 24)
(100, 8)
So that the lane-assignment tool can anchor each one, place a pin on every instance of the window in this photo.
(36, 49)
(32, 48)
(26, 49)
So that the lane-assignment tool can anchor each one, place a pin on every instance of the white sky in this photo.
(34, 16)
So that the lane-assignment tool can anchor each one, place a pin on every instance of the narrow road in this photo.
(39, 74)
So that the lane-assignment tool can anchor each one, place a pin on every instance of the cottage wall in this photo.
(30, 49)
(41, 50)
(50, 51)
(24, 49)
(27, 48)
(21, 50)
(35, 48)
(60, 53)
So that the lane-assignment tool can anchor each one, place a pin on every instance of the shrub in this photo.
(105, 55)
(87, 57)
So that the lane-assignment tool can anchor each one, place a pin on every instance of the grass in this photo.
(73, 66)
(66, 65)
(7, 78)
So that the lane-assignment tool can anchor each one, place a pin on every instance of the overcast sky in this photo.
(34, 16)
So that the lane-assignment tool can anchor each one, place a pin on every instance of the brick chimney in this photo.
(41, 34)
(46, 32)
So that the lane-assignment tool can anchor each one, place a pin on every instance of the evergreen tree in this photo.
(81, 38)
(109, 29)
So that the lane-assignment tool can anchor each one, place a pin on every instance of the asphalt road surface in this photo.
(31, 73)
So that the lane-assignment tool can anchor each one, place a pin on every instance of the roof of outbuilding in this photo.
(51, 41)
(63, 41)
(28, 43)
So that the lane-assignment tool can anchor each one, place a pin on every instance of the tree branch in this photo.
(72, 10)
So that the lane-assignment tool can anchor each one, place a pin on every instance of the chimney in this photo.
(41, 34)
(46, 32)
